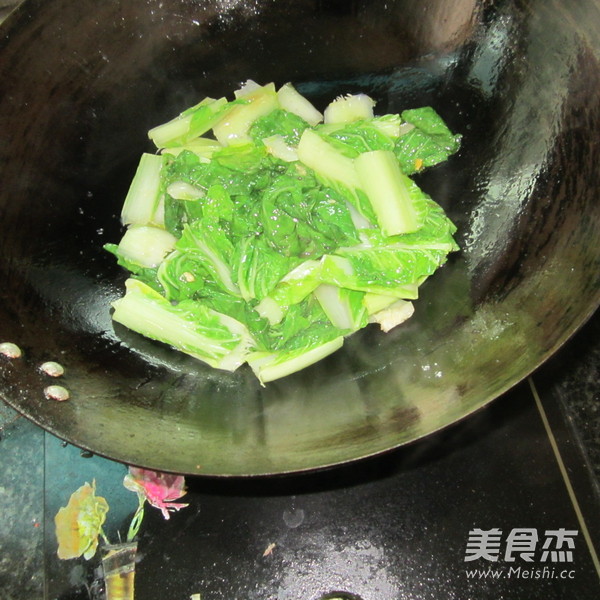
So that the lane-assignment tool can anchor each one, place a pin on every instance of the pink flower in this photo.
(159, 489)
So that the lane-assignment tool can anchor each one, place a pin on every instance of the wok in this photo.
(82, 81)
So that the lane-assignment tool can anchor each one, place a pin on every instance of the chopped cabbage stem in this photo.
(143, 197)
(387, 189)
(346, 109)
(190, 124)
(233, 129)
(269, 367)
(317, 154)
(145, 245)
(265, 231)
(212, 337)
(292, 101)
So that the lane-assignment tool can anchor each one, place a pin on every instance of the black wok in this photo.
(82, 81)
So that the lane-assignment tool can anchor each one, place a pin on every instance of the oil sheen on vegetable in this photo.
(265, 232)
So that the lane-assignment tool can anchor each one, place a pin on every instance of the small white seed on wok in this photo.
(56, 392)
(10, 350)
(53, 369)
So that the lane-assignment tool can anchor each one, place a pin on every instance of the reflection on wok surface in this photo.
(82, 82)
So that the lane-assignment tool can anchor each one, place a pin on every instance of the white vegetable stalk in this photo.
(269, 309)
(248, 87)
(276, 145)
(267, 368)
(144, 194)
(292, 101)
(185, 127)
(346, 109)
(181, 190)
(393, 315)
(388, 191)
(222, 342)
(145, 245)
(233, 127)
(324, 159)
(335, 303)
(376, 302)
(202, 147)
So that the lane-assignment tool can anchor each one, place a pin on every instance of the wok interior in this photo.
(519, 81)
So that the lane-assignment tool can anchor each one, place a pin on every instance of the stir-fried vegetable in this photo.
(285, 232)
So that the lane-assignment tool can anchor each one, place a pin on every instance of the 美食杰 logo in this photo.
(525, 553)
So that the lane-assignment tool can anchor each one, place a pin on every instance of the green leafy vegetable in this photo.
(278, 122)
(272, 242)
(191, 327)
(429, 142)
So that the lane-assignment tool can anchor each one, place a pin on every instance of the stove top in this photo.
(501, 505)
